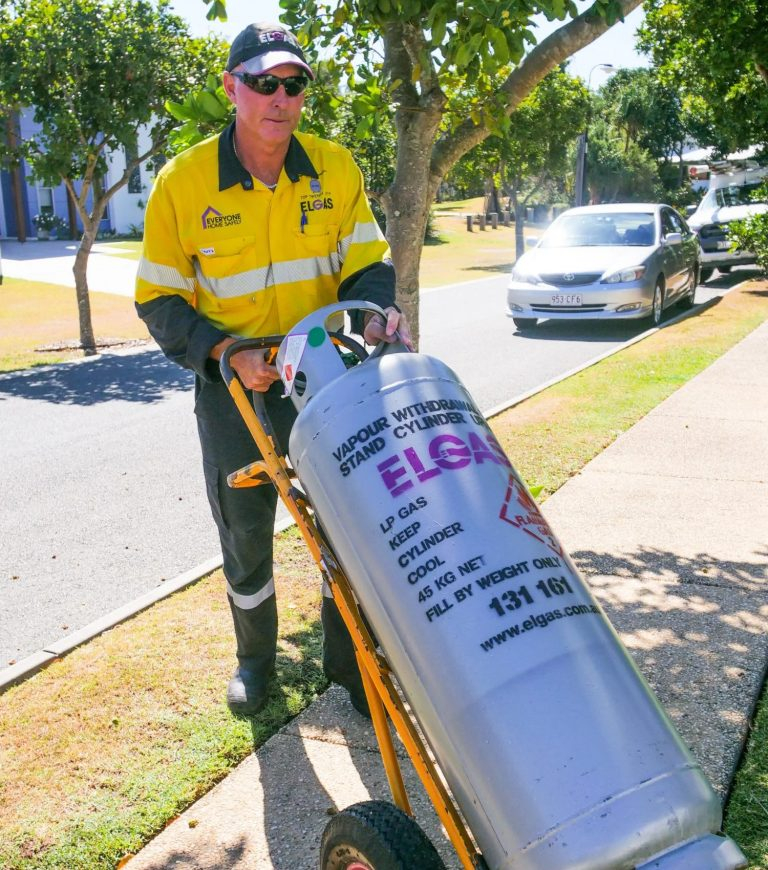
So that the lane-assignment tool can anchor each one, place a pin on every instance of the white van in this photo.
(729, 198)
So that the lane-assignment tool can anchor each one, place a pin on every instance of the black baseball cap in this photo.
(262, 46)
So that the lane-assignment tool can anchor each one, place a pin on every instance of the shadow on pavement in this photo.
(141, 377)
(695, 627)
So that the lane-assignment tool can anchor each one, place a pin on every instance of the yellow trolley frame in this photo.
(381, 694)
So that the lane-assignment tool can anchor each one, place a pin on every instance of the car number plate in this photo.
(559, 299)
(723, 246)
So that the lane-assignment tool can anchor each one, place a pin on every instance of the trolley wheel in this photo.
(376, 835)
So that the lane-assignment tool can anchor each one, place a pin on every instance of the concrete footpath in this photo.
(670, 527)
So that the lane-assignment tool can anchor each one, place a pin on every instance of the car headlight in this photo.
(521, 276)
(623, 275)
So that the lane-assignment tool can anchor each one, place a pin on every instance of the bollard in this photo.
(494, 220)
(470, 228)
(481, 221)
(507, 218)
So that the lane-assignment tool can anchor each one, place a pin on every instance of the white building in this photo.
(21, 198)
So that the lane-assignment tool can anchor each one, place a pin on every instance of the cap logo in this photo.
(276, 36)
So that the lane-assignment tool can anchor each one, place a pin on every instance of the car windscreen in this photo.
(736, 195)
(608, 228)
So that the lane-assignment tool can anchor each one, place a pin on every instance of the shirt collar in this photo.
(232, 172)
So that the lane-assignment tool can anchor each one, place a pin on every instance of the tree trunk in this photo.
(406, 224)
(80, 270)
(71, 215)
(519, 208)
(407, 201)
(17, 179)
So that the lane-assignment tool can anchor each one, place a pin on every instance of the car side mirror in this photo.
(690, 209)
(673, 238)
(531, 243)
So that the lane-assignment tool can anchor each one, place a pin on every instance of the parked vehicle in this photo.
(623, 261)
(730, 198)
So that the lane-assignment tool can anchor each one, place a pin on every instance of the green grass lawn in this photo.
(39, 326)
(127, 248)
(104, 747)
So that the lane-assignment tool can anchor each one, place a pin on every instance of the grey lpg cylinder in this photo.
(557, 752)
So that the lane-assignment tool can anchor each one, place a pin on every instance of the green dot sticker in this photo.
(316, 336)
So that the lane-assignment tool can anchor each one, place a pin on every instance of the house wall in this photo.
(124, 211)
(127, 207)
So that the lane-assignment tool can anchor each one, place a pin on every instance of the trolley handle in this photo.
(266, 342)
(272, 343)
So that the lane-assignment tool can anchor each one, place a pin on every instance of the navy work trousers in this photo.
(245, 519)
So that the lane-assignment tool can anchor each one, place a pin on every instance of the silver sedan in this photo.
(623, 261)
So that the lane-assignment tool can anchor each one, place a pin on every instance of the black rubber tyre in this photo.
(376, 835)
(657, 311)
(524, 322)
(706, 274)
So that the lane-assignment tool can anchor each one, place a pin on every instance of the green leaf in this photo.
(211, 105)
(180, 112)
(499, 43)
(217, 12)
(439, 28)
(363, 126)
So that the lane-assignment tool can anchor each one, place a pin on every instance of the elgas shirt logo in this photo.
(213, 219)
(308, 205)
(315, 201)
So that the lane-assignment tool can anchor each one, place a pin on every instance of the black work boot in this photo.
(247, 691)
(339, 661)
(256, 634)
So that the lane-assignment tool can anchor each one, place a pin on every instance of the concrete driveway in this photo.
(109, 271)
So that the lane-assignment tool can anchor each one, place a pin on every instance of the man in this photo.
(245, 234)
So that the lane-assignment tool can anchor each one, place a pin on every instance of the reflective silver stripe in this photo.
(362, 233)
(327, 590)
(239, 284)
(254, 280)
(307, 269)
(248, 602)
(164, 276)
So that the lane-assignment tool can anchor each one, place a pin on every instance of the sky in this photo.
(616, 47)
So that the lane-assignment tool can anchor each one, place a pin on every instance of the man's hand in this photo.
(251, 366)
(376, 329)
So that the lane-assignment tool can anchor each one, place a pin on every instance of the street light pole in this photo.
(580, 184)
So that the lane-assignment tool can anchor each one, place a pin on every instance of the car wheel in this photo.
(657, 306)
(376, 835)
(524, 322)
(706, 274)
(689, 299)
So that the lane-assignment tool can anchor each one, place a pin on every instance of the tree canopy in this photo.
(717, 58)
(94, 72)
(450, 74)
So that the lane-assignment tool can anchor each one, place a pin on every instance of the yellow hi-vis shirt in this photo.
(251, 261)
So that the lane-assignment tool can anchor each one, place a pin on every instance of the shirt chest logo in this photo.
(213, 219)
(315, 200)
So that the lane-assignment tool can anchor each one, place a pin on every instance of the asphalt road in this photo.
(102, 495)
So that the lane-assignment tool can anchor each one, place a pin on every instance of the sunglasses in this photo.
(267, 84)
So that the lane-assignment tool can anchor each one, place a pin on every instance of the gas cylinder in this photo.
(553, 745)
